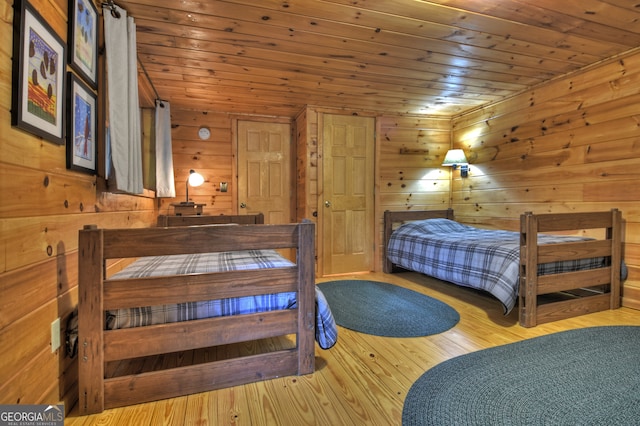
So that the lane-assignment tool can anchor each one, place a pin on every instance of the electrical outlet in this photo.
(55, 335)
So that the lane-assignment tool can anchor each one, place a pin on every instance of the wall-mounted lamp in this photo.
(194, 179)
(455, 158)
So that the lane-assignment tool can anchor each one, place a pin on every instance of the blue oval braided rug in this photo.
(388, 310)
(588, 376)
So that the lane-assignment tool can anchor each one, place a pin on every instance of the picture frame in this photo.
(83, 40)
(39, 64)
(82, 122)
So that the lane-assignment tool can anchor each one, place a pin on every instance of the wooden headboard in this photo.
(392, 219)
(249, 219)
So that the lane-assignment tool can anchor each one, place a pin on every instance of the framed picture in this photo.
(83, 40)
(39, 63)
(81, 121)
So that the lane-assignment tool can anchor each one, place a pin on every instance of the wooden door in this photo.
(347, 199)
(264, 171)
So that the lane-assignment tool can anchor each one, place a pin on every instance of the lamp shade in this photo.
(195, 178)
(455, 157)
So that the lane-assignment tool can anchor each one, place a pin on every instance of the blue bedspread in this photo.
(326, 329)
(482, 259)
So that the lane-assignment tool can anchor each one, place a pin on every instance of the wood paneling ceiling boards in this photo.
(440, 57)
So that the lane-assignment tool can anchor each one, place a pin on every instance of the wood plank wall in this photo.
(213, 159)
(570, 145)
(42, 207)
(411, 151)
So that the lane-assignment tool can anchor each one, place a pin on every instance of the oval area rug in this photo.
(388, 310)
(587, 376)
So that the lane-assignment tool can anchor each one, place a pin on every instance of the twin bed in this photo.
(201, 308)
(549, 277)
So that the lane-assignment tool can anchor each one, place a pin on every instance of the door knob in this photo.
(243, 205)
(327, 203)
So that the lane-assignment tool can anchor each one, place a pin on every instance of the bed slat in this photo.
(145, 387)
(555, 311)
(555, 222)
(573, 280)
(153, 291)
(200, 239)
(163, 338)
(573, 251)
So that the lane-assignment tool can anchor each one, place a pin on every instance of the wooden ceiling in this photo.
(440, 57)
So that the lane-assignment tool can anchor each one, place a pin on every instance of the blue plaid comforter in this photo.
(326, 330)
(482, 259)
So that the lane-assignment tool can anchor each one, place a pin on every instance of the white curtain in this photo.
(124, 110)
(165, 184)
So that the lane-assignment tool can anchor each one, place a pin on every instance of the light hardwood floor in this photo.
(363, 380)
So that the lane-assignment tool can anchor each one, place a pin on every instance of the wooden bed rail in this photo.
(122, 243)
(532, 285)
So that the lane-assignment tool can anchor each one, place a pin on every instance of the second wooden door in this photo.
(347, 194)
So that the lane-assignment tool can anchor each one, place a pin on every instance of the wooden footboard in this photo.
(98, 346)
(579, 292)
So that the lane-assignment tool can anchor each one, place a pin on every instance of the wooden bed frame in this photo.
(99, 349)
(546, 298)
